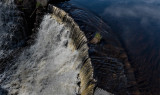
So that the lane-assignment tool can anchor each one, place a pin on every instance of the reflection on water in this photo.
(137, 23)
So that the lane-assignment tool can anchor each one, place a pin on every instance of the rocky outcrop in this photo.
(33, 10)
(42, 2)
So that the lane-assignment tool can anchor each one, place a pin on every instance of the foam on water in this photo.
(99, 91)
(47, 67)
(12, 32)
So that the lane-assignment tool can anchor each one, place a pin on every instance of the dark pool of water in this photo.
(137, 24)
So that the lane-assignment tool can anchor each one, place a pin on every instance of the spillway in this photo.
(57, 61)
(56, 64)
(48, 66)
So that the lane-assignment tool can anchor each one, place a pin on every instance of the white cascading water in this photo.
(99, 91)
(12, 33)
(46, 68)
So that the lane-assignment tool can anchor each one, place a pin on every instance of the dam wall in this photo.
(87, 82)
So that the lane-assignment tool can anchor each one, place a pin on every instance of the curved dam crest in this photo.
(80, 43)
(112, 69)
(48, 66)
(56, 63)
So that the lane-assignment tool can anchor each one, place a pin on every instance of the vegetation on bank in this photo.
(96, 39)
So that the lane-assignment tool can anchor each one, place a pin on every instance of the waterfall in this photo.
(100, 91)
(48, 67)
(56, 64)
(12, 34)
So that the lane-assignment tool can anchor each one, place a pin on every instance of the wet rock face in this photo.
(31, 10)
(33, 16)
(42, 2)
(27, 7)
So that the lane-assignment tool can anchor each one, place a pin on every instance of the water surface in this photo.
(137, 24)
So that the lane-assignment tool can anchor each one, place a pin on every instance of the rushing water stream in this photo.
(47, 67)
(12, 34)
(57, 62)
